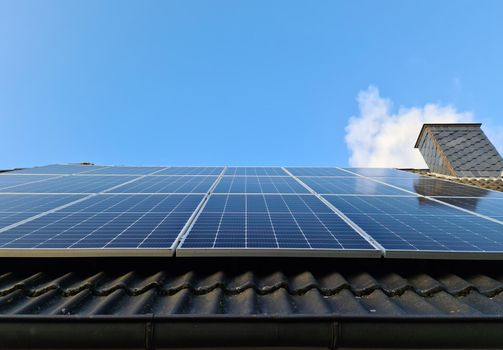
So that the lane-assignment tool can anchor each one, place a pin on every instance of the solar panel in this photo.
(420, 227)
(491, 207)
(17, 207)
(318, 171)
(255, 171)
(70, 184)
(436, 187)
(188, 170)
(7, 181)
(240, 225)
(125, 170)
(59, 169)
(349, 185)
(169, 184)
(382, 172)
(259, 184)
(104, 223)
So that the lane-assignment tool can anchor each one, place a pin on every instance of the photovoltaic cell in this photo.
(490, 207)
(383, 172)
(125, 170)
(240, 224)
(321, 171)
(406, 225)
(71, 184)
(187, 170)
(107, 222)
(7, 181)
(255, 171)
(14, 208)
(169, 184)
(259, 184)
(58, 169)
(437, 187)
(349, 185)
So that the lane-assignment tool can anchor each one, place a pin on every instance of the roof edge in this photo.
(454, 125)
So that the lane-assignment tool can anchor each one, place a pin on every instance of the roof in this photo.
(210, 302)
(222, 303)
(459, 150)
(450, 125)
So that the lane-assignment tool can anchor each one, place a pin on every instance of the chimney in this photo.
(461, 150)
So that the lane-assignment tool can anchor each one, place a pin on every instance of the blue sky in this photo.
(231, 82)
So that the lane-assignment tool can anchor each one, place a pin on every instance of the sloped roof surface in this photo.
(467, 148)
(249, 287)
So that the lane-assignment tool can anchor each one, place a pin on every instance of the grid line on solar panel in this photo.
(169, 184)
(259, 184)
(432, 187)
(126, 170)
(12, 181)
(255, 171)
(192, 171)
(71, 184)
(58, 169)
(246, 224)
(319, 171)
(381, 172)
(150, 222)
(420, 225)
(15, 208)
(349, 185)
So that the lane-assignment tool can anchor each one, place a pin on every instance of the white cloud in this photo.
(380, 138)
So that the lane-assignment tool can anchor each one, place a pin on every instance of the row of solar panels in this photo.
(254, 211)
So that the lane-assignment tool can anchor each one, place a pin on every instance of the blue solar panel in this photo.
(255, 171)
(382, 172)
(490, 207)
(107, 222)
(59, 169)
(404, 225)
(71, 184)
(169, 184)
(187, 170)
(125, 170)
(437, 187)
(349, 185)
(319, 171)
(259, 184)
(240, 224)
(8, 181)
(14, 208)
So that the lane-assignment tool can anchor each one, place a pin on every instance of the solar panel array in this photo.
(85, 210)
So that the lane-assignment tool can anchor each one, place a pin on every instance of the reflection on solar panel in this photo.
(406, 225)
(255, 171)
(71, 184)
(349, 185)
(7, 181)
(259, 184)
(169, 184)
(437, 187)
(125, 170)
(17, 207)
(106, 222)
(59, 169)
(187, 170)
(490, 207)
(382, 172)
(281, 224)
(298, 171)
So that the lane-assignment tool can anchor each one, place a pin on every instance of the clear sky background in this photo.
(235, 82)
